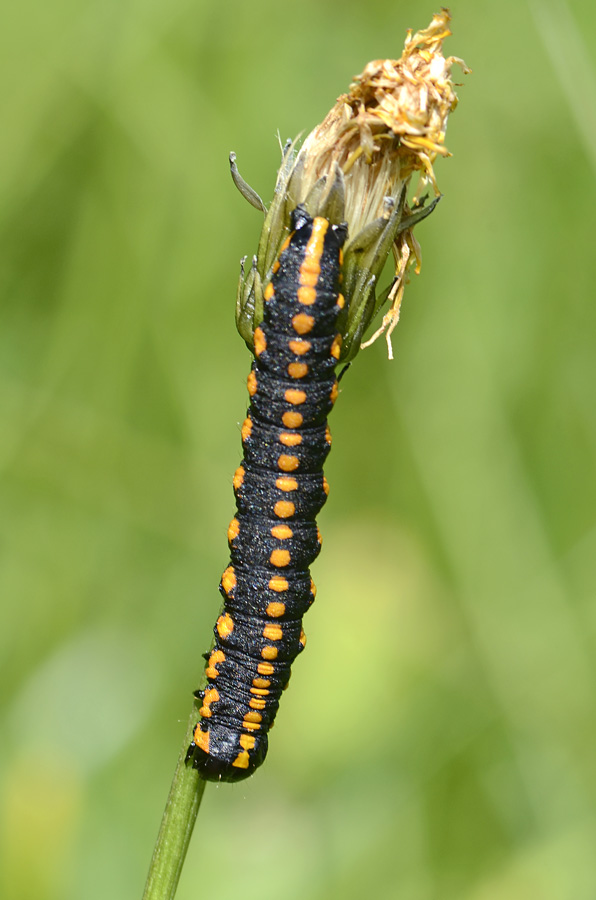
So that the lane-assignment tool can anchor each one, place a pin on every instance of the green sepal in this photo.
(276, 226)
(244, 187)
(364, 259)
(327, 197)
(249, 298)
(249, 302)
(418, 215)
(353, 326)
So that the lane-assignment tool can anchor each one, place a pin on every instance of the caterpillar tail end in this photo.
(219, 755)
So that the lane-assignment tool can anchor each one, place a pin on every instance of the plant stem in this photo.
(177, 825)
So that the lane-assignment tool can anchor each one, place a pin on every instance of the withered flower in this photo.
(356, 166)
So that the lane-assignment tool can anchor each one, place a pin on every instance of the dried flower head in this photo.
(356, 166)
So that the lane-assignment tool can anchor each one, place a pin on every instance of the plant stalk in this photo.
(177, 825)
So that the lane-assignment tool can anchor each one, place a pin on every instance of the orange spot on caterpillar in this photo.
(251, 383)
(216, 657)
(336, 346)
(269, 652)
(297, 370)
(257, 703)
(265, 668)
(201, 739)
(307, 295)
(282, 532)
(334, 393)
(275, 609)
(225, 626)
(273, 632)
(288, 463)
(260, 341)
(284, 483)
(300, 347)
(283, 509)
(310, 268)
(290, 440)
(251, 721)
(233, 530)
(303, 323)
(238, 478)
(284, 246)
(280, 558)
(286, 243)
(246, 429)
(294, 396)
(278, 584)
(292, 419)
(242, 760)
(228, 580)
(268, 292)
(211, 696)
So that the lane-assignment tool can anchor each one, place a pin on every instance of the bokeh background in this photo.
(438, 740)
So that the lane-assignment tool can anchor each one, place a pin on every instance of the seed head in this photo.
(356, 166)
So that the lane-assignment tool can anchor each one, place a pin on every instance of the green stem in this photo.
(177, 825)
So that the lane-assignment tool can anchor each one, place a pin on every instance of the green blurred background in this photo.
(438, 739)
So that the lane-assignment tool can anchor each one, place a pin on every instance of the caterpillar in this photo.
(279, 489)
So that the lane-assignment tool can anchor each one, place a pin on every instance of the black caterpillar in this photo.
(279, 488)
